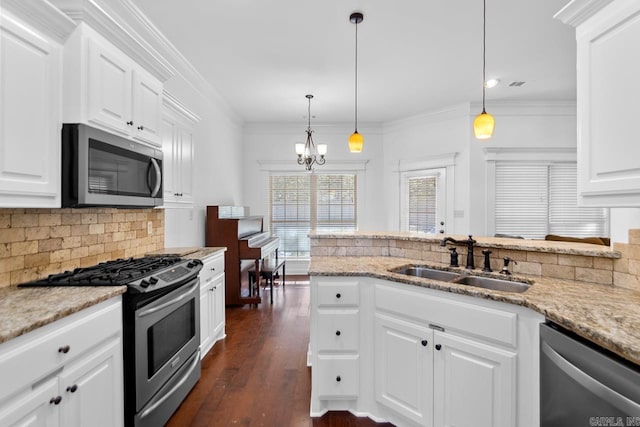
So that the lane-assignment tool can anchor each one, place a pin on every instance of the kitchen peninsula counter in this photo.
(605, 315)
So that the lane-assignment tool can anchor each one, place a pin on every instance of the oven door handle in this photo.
(596, 387)
(165, 396)
(184, 295)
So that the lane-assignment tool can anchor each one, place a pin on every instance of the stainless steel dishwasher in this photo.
(584, 385)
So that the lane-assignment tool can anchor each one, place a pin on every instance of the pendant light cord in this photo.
(484, 52)
(309, 113)
(356, 79)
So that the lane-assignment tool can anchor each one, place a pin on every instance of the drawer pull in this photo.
(424, 343)
(213, 269)
(438, 346)
(72, 389)
(55, 400)
(130, 123)
(337, 379)
(338, 333)
(338, 295)
(64, 349)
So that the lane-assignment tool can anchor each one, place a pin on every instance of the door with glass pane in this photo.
(423, 207)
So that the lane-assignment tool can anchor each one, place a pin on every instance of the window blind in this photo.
(290, 218)
(565, 217)
(301, 203)
(422, 204)
(533, 200)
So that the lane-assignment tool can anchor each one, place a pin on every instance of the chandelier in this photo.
(308, 153)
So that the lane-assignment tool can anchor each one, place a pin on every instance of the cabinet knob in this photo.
(140, 127)
(337, 379)
(337, 333)
(213, 269)
(130, 123)
(64, 349)
(438, 346)
(55, 400)
(72, 389)
(338, 295)
(424, 343)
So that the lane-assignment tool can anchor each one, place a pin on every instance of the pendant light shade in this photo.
(356, 141)
(484, 123)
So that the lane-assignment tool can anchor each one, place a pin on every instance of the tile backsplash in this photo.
(37, 242)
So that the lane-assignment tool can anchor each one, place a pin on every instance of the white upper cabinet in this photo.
(30, 81)
(608, 39)
(103, 87)
(178, 127)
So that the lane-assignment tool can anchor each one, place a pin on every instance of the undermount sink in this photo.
(493, 284)
(462, 279)
(427, 273)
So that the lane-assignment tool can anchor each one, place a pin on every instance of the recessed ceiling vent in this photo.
(516, 84)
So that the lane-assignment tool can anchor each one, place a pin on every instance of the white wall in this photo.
(271, 146)
(218, 166)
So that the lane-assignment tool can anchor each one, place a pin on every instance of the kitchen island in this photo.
(425, 347)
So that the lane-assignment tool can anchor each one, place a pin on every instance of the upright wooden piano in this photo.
(247, 244)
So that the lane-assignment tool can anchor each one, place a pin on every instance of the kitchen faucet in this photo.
(469, 242)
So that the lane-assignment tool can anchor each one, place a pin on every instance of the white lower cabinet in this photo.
(212, 306)
(68, 373)
(404, 368)
(473, 383)
(424, 357)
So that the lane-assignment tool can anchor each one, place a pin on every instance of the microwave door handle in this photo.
(156, 168)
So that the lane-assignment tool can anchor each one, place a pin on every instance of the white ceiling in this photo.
(414, 55)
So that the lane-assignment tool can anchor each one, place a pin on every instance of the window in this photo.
(422, 204)
(301, 203)
(536, 199)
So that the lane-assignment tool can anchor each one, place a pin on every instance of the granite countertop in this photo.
(605, 315)
(24, 309)
(532, 245)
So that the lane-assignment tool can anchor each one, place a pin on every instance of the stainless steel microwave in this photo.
(102, 169)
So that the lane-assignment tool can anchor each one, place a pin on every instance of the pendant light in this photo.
(308, 153)
(356, 141)
(484, 123)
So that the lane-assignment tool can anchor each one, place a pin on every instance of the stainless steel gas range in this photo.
(161, 324)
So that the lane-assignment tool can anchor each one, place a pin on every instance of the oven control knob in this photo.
(191, 264)
(144, 284)
(153, 280)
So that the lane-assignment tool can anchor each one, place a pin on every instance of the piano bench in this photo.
(268, 271)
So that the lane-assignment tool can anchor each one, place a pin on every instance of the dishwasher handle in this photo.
(596, 387)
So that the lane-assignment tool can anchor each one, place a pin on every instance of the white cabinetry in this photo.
(335, 343)
(212, 307)
(608, 38)
(404, 368)
(423, 357)
(68, 373)
(30, 82)
(473, 384)
(105, 88)
(178, 124)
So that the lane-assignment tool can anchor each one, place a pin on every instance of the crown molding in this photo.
(172, 103)
(561, 108)
(42, 15)
(578, 11)
(453, 112)
(101, 18)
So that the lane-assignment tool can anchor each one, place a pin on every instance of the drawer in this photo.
(338, 331)
(211, 268)
(32, 357)
(466, 318)
(337, 377)
(338, 293)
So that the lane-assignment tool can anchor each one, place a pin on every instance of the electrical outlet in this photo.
(149, 228)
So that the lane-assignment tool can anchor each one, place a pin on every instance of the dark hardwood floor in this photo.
(258, 375)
